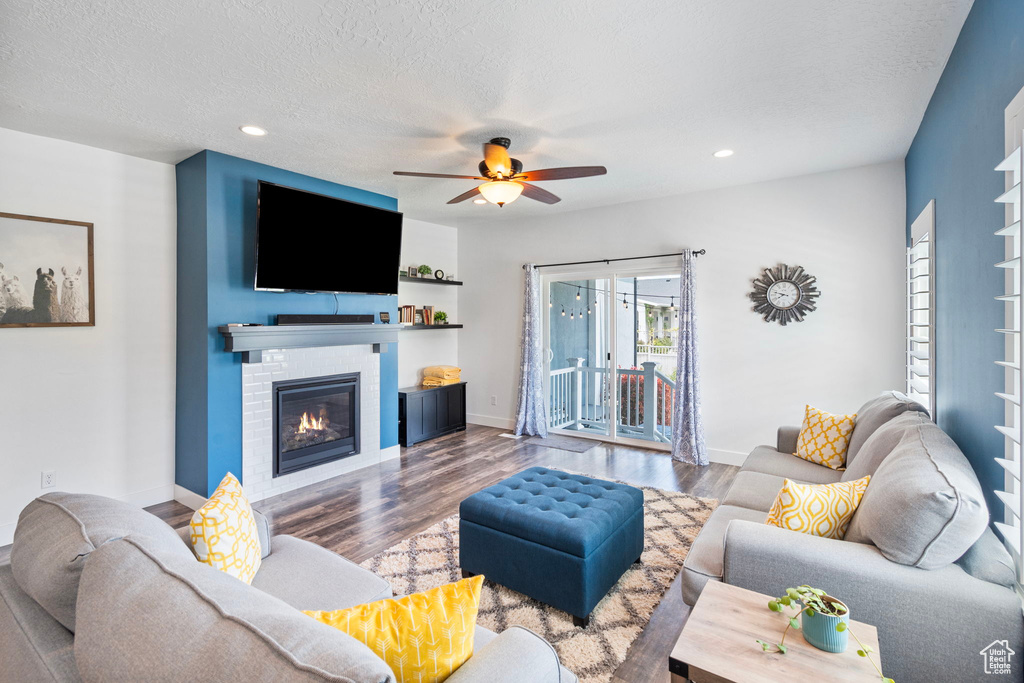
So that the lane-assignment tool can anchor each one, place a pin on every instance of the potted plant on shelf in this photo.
(425, 271)
(440, 318)
(824, 620)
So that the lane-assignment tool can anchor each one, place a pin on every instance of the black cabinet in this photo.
(427, 412)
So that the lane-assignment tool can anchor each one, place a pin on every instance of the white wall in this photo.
(436, 246)
(845, 227)
(96, 404)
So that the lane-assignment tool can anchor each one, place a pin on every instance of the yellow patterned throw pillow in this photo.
(423, 637)
(824, 437)
(224, 532)
(817, 509)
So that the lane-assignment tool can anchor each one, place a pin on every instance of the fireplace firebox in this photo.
(316, 421)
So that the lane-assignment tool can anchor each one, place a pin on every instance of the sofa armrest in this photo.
(263, 528)
(516, 654)
(785, 441)
(944, 612)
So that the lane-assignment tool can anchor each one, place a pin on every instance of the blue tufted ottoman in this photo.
(560, 538)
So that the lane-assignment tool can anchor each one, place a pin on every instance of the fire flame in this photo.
(310, 423)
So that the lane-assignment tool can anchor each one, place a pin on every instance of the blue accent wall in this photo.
(959, 142)
(216, 241)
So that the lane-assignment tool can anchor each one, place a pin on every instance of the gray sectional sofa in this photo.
(919, 560)
(99, 590)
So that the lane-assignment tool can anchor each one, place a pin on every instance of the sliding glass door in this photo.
(611, 342)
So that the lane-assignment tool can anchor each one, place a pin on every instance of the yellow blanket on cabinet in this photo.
(443, 372)
(439, 382)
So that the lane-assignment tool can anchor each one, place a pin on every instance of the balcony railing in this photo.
(580, 399)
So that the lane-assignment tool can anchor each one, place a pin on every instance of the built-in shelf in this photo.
(451, 326)
(429, 280)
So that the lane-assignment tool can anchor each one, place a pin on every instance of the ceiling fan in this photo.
(505, 180)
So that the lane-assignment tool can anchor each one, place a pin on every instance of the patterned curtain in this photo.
(687, 424)
(531, 414)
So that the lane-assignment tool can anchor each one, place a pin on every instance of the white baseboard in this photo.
(188, 498)
(488, 421)
(726, 457)
(390, 452)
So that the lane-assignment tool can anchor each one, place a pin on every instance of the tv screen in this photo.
(307, 242)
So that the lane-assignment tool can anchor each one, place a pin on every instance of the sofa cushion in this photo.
(767, 460)
(924, 506)
(224, 531)
(881, 443)
(705, 560)
(989, 560)
(876, 413)
(33, 645)
(160, 617)
(754, 490)
(309, 577)
(57, 531)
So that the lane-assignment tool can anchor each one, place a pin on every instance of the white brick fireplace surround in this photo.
(257, 414)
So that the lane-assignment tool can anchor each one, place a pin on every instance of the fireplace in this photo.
(316, 421)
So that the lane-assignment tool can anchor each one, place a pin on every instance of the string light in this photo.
(563, 311)
(577, 294)
(588, 307)
(672, 304)
(572, 315)
(624, 304)
(550, 304)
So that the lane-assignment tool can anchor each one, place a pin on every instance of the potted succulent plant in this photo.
(426, 271)
(824, 620)
(440, 318)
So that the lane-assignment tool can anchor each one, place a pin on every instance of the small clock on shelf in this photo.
(784, 294)
(438, 274)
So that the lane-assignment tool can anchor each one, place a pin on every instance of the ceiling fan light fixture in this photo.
(479, 200)
(501, 192)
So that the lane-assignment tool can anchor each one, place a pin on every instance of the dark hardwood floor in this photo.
(364, 512)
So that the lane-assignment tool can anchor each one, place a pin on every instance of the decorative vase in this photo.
(820, 629)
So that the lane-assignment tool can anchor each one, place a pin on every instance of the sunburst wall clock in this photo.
(784, 294)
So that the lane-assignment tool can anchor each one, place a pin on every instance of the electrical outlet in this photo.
(494, 400)
(49, 479)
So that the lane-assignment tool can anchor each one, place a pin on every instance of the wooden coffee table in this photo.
(718, 644)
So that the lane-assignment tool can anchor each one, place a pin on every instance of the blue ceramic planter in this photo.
(820, 630)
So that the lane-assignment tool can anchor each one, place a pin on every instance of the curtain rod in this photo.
(695, 252)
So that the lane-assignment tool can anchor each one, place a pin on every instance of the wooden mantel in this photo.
(251, 342)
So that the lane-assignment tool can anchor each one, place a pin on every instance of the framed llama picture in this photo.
(46, 272)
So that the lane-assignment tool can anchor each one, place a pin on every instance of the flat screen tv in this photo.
(307, 242)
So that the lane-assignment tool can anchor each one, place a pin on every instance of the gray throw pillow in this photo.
(880, 444)
(924, 506)
(147, 616)
(876, 413)
(55, 534)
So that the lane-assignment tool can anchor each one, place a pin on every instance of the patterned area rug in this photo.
(671, 522)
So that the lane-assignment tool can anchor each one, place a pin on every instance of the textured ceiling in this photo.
(351, 91)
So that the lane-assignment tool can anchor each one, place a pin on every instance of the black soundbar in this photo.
(344, 319)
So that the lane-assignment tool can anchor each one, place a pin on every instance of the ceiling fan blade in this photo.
(465, 195)
(439, 175)
(562, 173)
(541, 195)
(497, 159)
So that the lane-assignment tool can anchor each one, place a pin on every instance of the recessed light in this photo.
(479, 200)
(252, 130)
(723, 153)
